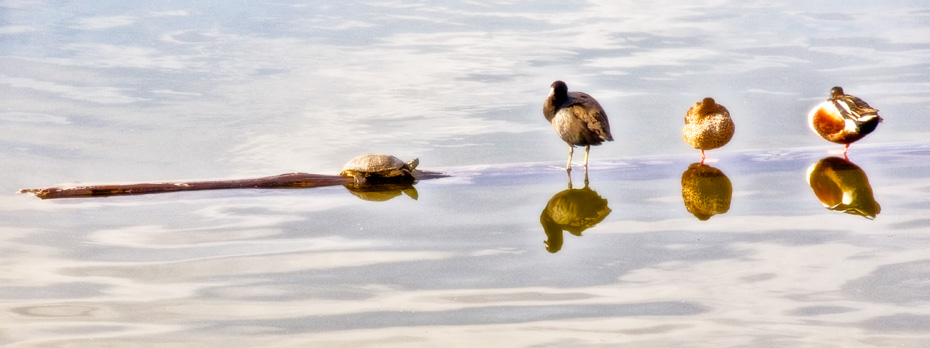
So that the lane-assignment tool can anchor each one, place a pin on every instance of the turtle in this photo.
(377, 167)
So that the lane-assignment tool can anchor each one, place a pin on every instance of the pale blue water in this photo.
(136, 91)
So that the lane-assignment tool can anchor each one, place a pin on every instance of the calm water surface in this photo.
(654, 252)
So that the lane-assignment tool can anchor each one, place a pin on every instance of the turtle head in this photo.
(359, 178)
(413, 164)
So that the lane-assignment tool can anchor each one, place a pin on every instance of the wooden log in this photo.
(290, 180)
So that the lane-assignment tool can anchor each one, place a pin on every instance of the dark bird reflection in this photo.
(842, 186)
(572, 210)
(380, 192)
(706, 191)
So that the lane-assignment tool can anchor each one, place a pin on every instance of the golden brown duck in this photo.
(708, 126)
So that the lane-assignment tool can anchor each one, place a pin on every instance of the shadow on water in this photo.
(706, 190)
(572, 210)
(842, 186)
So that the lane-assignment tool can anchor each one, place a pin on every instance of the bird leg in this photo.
(586, 149)
(571, 149)
(703, 157)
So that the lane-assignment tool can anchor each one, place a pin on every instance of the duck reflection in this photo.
(842, 186)
(706, 191)
(572, 210)
(380, 192)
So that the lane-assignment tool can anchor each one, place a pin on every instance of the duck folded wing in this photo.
(854, 107)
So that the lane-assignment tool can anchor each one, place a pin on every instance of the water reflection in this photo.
(380, 192)
(842, 186)
(706, 191)
(572, 210)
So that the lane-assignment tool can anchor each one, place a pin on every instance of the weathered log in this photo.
(290, 180)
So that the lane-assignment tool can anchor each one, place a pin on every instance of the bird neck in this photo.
(552, 106)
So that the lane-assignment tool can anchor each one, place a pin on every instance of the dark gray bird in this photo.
(577, 118)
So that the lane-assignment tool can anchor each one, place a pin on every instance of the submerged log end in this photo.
(70, 192)
(41, 193)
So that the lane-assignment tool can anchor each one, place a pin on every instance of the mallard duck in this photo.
(577, 118)
(843, 118)
(708, 126)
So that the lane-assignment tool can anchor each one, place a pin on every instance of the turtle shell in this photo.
(377, 165)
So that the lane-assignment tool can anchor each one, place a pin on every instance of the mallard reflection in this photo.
(842, 186)
(380, 192)
(706, 191)
(572, 210)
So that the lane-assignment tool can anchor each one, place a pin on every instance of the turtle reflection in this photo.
(572, 210)
(706, 191)
(842, 186)
(382, 191)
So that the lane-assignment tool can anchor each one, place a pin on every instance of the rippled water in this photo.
(131, 92)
